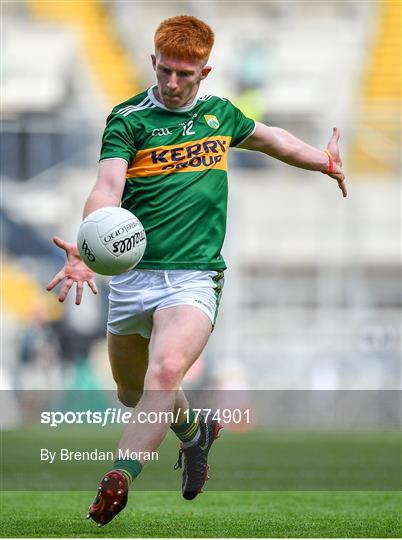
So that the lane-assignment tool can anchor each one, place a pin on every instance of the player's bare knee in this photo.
(128, 397)
(168, 372)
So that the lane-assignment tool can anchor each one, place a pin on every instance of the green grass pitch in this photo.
(289, 461)
(213, 514)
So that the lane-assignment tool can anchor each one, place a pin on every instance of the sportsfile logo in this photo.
(207, 153)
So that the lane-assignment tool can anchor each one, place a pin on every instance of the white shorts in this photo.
(135, 295)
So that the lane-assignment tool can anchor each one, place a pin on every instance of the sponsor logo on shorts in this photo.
(204, 304)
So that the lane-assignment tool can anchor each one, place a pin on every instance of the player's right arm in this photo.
(109, 185)
(106, 192)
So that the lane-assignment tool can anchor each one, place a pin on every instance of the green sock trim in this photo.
(131, 467)
(186, 430)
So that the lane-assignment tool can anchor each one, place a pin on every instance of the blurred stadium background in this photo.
(313, 290)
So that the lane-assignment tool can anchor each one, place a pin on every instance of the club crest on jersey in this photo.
(212, 121)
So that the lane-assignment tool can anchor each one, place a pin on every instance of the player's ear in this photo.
(153, 59)
(205, 72)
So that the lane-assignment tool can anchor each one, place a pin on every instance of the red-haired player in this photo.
(164, 157)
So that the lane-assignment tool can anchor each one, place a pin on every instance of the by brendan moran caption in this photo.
(64, 454)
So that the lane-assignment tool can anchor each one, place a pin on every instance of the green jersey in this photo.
(177, 174)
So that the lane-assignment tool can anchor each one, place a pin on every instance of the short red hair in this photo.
(184, 37)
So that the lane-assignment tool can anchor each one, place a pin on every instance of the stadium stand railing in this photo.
(375, 149)
(113, 68)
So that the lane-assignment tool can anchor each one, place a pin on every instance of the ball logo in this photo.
(87, 252)
(121, 246)
(121, 230)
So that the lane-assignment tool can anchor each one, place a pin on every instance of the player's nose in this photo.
(172, 82)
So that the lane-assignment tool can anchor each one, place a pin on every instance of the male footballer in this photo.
(164, 157)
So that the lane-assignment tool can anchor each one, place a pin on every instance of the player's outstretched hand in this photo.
(74, 271)
(337, 172)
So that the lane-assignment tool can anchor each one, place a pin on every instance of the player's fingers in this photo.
(92, 286)
(65, 289)
(339, 176)
(56, 280)
(59, 242)
(335, 134)
(343, 188)
(78, 293)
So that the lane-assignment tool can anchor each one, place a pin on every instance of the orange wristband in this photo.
(331, 162)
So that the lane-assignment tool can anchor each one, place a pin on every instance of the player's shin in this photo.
(186, 424)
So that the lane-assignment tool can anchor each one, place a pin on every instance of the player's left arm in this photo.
(282, 145)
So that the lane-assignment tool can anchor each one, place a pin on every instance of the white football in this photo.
(111, 240)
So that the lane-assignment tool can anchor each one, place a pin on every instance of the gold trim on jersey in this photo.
(207, 153)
